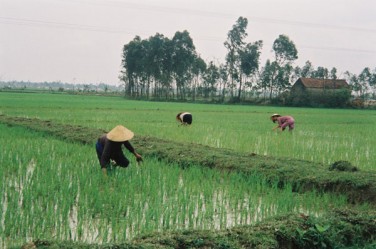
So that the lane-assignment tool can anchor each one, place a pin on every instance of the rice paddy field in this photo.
(53, 189)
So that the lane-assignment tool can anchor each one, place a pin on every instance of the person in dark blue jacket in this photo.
(185, 118)
(109, 147)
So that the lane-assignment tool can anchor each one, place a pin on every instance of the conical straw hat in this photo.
(120, 134)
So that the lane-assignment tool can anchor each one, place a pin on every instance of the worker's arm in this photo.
(129, 147)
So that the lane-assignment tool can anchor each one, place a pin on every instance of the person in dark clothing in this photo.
(109, 147)
(185, 118)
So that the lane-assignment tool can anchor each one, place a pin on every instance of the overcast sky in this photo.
(81, 41)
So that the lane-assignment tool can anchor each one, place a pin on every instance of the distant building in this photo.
(320, 92)
(318, 85)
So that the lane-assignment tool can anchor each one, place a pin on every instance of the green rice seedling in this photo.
(66, 185)
(322, 135)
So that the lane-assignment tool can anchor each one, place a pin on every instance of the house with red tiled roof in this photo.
(319, 85)
(320, 92)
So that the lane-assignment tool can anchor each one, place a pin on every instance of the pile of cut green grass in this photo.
(340, 228)
(358, 186)
(337, 229)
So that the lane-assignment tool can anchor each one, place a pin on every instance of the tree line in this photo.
(163, 68)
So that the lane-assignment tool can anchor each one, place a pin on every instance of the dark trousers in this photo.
(118, 157)
(187, 118)
(99, 149)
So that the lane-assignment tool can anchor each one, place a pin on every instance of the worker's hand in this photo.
(138, 157)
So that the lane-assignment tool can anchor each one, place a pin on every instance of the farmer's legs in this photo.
(291, 126)
(284, 125)
(187, 119)
(121, 160)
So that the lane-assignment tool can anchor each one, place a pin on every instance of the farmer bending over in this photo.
(185, 118)
(283, 122)
(108, 148)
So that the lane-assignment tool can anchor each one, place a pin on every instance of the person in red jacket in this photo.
(109, 147)
(283, 122)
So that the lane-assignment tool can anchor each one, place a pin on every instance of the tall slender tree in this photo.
(234, 44)
(223, 81)
(198, 71)
(183, 58)
(210, 80)
(364, 81)
(276, 75)
(132, 52)
(249, 62)
(159, 64)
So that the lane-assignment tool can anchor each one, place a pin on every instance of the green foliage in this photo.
(305, 174)
(242, 60)
(191, 197)
(230, 138)
(321, 135)
(285, 50)
(324, 99)
(337, 229)
(343, 166)
(154, 64)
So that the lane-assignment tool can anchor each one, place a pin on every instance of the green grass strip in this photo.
(359, 186)
(337, 229)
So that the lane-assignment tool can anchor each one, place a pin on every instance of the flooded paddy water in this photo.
(223, 180)
(53, 189)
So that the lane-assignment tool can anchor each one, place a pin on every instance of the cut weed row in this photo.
(336, 229)
(358, 186)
